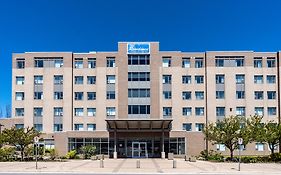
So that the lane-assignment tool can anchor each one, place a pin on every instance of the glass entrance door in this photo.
(139, 149)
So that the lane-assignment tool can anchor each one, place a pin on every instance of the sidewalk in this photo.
(154, 166)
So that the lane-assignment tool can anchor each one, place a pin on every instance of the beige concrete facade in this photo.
(193, 139)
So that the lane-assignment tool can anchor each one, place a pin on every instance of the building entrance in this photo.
(139, 150)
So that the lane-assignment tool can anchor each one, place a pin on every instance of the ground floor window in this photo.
(101, 144)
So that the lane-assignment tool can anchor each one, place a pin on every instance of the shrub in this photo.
(211, 155)
(71, 154)
(52, 153)
(7, 153)
(88, 151)
(275, 157)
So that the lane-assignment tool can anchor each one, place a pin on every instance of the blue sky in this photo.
(89, 25)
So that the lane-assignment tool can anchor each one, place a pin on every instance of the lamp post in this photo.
(240, 142)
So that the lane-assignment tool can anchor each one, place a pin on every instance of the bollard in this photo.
(138, 163)
(174, 164)
(101, 164)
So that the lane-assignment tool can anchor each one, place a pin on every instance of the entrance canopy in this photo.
(139, 124)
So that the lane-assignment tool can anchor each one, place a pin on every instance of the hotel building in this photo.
(140, 101)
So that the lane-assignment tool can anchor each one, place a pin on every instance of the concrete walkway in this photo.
(154, 166)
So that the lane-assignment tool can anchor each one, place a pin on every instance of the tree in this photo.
(20, 138)
(228, 130)
(88, 151)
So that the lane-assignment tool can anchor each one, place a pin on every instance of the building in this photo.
(139, 101)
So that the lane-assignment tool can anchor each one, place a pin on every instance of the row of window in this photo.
(241, 110)
(166, 62)
(258, 95)
(240, 79)
(258, 147)
(188, 126)
(186, 111)
(59, 127)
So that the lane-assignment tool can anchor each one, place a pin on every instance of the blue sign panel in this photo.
(138, 48)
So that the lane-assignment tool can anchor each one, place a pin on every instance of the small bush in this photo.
(71, 154)
(88, 151)
(275, 157)
(211, 155)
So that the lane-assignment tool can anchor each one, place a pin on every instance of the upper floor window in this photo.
(110, 111)
(79, 79)
(258, 79)
(187, 126)
(271, 79)
(258, 62)
(91, 79)
(138, 60)
(79, 95)
(20, 63)
(91, 95)
(186, 111)
(167, 79)
(220, 111)
(19, 112)
(110, 95)
(186, 62)
(259, 95)
(167, 111)
(186, 95)
(198, 62)
(240, 79)
(19, 126)
(199, 79)
(78, 127)
(19, 96)
(199, 111)
(58, 111)
(78, 112)
(166, 62)
(271, 95)
(139, 109)
(138, 93)
(91, 63)
(38, 79)
(199, 126)
(219, 94)
(20, 80)
(38, 112)
(91, 112)
(110, 62)
(271, 111)
(58, 79)
(38, 95)
(58, 127)
(199, 95)
(110, 79)
(259, 111)
(270, 62)
(186, 79)
(38, 127)
(39, 63)
(58, 63)
(138, 76)
(240, 94)
(219, 79)
(91, 127)
(167, 95)
(239, 62)
(240, 111)
(78, 63)
(58, 95)
(219, 62)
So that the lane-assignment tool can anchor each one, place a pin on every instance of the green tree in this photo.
(229, 129)
(20, 138)
(88, 151)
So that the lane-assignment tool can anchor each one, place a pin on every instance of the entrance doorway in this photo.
(139, 150)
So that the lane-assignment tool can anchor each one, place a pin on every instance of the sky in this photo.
(97, 25)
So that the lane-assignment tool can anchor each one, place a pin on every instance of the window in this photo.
(38, 112)
(91, 95)
(219, 62)
(199, 126)
(20, 80)
(19, 96)
(239, 62)
(38, 127)
(259, 111)
(186, 95)
(240, 79)
(240, 94)
(258, 95)
(110, 62)
(39, 63)
(91, 112)
(78, 112)
(258, 62)
(19, 126)
(271, 111)
(259, 146)
(240, 111)
(79, 79)
(58, 63)
(79, 95)
(110, 79)
(38, 95)
(58, 95)
(270, 62)
(186, 62)
(167, 111)
(199, 111)
(138, 76)
(219, 94)
(166, 62)
(110, 95)
(19, 112)
(78, 64)
(138, 109)
(271, 95)
(38, 79)
(258, 79)
(58, 111)
(199, 95)
(91, 79)
(91, 127)
(220, 147)
(167, 95)
(110, 111)
(91, 63)
(186, 111)
(186, 126)
(199, 79)
(20, 63)
(270, 79)
(186, 79)
(138, 93)
(219, 79)
(167, 79)
(198, 62)
(138, 60)
(220, 111)
(58, 79)
(57, 127)
(78, 127)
